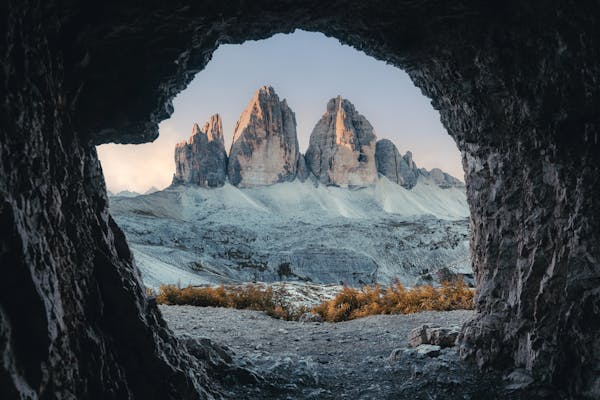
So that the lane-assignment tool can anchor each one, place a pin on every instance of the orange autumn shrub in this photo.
(353, 303)
(349, 304)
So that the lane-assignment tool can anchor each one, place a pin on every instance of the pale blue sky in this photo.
(307, 69)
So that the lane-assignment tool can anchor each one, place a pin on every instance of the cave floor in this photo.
(348, 360)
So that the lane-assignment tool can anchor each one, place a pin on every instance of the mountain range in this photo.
(350, 210)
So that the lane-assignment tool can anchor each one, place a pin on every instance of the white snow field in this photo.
(296, 231)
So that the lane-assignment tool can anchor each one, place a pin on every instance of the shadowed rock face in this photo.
(395, 167)
(516, 85)
(342, 147)
(265, 144)
(202, 160)
(404, 171)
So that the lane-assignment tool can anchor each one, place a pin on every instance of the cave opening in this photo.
(514, 85)
(407, 161)
(320, 171)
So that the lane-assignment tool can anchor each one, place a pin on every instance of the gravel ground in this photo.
(347, 360)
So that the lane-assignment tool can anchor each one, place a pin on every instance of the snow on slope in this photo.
(296, 231)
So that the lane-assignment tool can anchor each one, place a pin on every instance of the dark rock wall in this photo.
(517, 87)
(74, 320)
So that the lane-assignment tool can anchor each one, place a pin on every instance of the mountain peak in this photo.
(265, 144)
(213, 128)
(342, 146)
(202, 160)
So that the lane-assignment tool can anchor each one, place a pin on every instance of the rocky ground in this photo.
(366, 358)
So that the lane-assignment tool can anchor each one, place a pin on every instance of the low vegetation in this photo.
(349, 304)
(353, 303)
(248, 297)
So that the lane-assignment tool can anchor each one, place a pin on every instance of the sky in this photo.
(307, 69)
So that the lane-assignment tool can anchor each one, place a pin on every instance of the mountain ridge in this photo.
(343, 150)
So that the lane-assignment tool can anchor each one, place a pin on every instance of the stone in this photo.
(418, 336)
(310, 317)
(428, 350)
(342, 147)
(202, 159)
(443, 337)
(265, 144)
(434, 335)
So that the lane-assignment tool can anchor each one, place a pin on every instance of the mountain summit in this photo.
(265, 144)
(202, 160)
(342, 147)
(343, 150)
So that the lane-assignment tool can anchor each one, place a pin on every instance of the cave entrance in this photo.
(336, 172)
(402, 171)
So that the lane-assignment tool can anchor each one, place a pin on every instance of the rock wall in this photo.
(342, 147)
(202, 160)
(75, 322)
(516, 85)
(265, 144)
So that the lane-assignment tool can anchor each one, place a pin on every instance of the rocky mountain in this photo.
(351, 210)
(202, 159)
(342, 147)
(343, 150)
(264, 150)
(403, 170)
(297, 231)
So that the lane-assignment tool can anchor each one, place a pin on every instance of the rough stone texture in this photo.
(75, 322)
(428, 350)
(358, 359)
(202, 160)
(264, 150)
(342, 147)
(516, 85)
(404, 171)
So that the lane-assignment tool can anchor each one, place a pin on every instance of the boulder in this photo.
(433, 335)
(428, 350)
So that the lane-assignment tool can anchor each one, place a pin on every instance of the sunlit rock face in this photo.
(265, 144)
(404, 171)
(342, 147)
(202, 160)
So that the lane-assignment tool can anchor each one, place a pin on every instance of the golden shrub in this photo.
(357, 303)
(349, 304)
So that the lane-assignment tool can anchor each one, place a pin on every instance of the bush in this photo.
(249, 297)
(357, 303)
(349, 304)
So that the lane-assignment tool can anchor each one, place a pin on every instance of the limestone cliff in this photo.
(342, 147)
(202, 159)
(265, 145)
